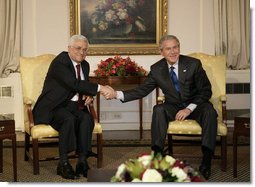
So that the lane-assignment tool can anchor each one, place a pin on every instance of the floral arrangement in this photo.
(150, 168)
(123, 14)
(119, 66)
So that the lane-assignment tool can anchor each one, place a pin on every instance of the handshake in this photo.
(108, 92)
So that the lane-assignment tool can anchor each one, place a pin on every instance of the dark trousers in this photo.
(204, 114)
(75, 128)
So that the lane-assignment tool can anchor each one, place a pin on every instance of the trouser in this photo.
(204, 114)
(75, 129)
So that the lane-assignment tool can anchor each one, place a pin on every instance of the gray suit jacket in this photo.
(195, 86)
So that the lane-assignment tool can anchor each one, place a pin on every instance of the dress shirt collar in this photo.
(81, 72)
(74, 64)
(175, 65)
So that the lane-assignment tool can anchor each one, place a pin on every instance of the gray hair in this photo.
(75, 38)
(167, 37)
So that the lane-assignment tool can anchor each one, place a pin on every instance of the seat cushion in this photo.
(43, 131)
(191, 127)
(46, 131)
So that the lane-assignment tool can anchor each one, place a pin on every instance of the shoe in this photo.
(82, 168)
(66, 171)
(205, 171)
(91, 154)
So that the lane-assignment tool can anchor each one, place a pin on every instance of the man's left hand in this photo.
(182, 114)
(87, 100)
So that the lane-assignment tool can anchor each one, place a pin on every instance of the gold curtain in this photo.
(10, 29)
(232, 32)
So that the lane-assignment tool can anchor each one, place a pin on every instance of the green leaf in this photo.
(134, 168)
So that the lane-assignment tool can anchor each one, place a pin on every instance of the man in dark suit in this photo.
(62, 104)
(187, 90)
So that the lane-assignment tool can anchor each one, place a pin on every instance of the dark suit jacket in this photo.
(60, 86)
(195, 86)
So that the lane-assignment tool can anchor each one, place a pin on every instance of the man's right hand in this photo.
(108, 92)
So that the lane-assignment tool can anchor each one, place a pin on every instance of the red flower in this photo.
(179, 164)
(119, 66)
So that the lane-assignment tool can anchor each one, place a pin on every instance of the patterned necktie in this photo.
(174, 79)
(80, 101)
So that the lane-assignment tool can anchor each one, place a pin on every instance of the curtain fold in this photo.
(10, 29)
(232, 28)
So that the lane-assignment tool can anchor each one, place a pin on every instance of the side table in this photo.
(241, 128)
(117, 81)
(7, 131)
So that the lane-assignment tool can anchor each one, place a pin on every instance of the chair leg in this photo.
(1, 156)
(35, 156)
(99, 150)
(224, 153)
(170, 144)
(27, 145)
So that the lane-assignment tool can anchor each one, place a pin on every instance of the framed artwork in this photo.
(130, 27)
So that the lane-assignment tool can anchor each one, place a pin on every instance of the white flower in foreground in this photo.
(170, 159)
(179, 173)
(152, 175)
(121, 169)
(145, 160)
(136, 180)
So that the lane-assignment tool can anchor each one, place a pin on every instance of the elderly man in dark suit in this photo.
(62, 104)
(187, 90)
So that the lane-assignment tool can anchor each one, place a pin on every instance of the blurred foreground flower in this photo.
(150, 168)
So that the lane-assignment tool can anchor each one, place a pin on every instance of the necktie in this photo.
(174, 79)
(80, 101)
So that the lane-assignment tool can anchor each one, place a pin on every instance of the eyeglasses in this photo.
(80, 49)
(174, 48)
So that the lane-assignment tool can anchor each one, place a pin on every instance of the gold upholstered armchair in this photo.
(33, 72)
(215, 67)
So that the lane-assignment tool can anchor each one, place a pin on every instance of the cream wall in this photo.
(45, 26)
(46, 30)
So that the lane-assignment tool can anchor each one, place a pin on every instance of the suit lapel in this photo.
(182, 70)
(84, 70)
(73, 69)
(165, 72)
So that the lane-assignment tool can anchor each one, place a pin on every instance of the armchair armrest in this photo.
(27, 101)
(28, 105)
(93, 112)
(160, 99)
(98, 127)
(223, 99)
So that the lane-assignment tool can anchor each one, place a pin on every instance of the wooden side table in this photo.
(118, 81)
(241, 128)
(7, 131)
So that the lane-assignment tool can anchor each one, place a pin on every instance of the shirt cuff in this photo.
(98, 88)
(192, 107)
(120, 95)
